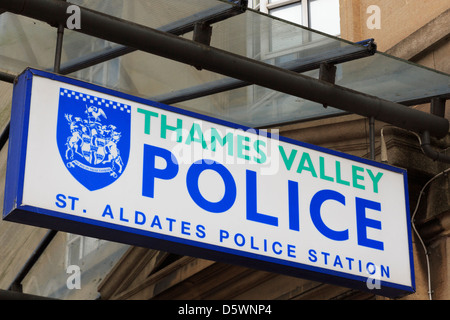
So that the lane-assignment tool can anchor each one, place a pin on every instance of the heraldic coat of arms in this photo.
(93, 136)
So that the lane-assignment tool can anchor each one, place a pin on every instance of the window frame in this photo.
(264, 6)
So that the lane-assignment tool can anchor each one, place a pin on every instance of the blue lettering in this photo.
(312, 255)
(156, 222)
(108, 212)
(316, 202)
(337, 261)
(241, 242)
(60, 203)
(201, 233)
(385, 271)
(325, 256)
(185, 228)
(252, 213)
(276, 243)
(291, 250)
(150, 172)
(171, 221)
(294, 214)
(72, 207)
(224, 235)
(121, 218)
(371, 268)
(192, 185)
(252, 243)
(363, 223)
(350, 260)
(139, 218)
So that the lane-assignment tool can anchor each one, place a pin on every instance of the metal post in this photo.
(438, 107)
(59, 44)
(7, 77)
(58, 51)
(327, 72)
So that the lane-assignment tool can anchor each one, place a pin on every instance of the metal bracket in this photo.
(438, 107)
(327, 73)
(202, 33)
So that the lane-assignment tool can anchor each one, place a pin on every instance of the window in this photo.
(277, 42)
(290, 12)
(106, 73)
(324, 16)
(78, 247)
(321, 15)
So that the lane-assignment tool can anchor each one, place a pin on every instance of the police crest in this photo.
(93, 136)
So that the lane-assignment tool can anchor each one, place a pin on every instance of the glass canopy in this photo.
(25, 42)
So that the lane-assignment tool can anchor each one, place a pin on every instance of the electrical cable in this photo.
(430, 292)
(384, 157)
(417, 232)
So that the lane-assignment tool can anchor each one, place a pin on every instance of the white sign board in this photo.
(93, 161)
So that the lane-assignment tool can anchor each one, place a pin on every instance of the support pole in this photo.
(304, 64)
(438, 107)
(58, 51)
(429, 150)
(327, 72)
(7, 77)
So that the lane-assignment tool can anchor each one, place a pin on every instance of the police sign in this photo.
(97, 162)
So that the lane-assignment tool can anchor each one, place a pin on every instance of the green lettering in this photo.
(241, 146)
(356, 177)
(263, 156)
(148, 114)
(196, 129)
(310, 167)
(322, 170)
(215, 136)
(338, 175)
(287, 161)
(165, 127)
(375, 179)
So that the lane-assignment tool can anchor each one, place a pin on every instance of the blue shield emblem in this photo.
(93, 137)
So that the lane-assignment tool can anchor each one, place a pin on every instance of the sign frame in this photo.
(16, 211)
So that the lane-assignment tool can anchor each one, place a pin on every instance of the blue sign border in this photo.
(15, 211)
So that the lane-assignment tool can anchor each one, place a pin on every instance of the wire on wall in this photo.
(417, 233)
